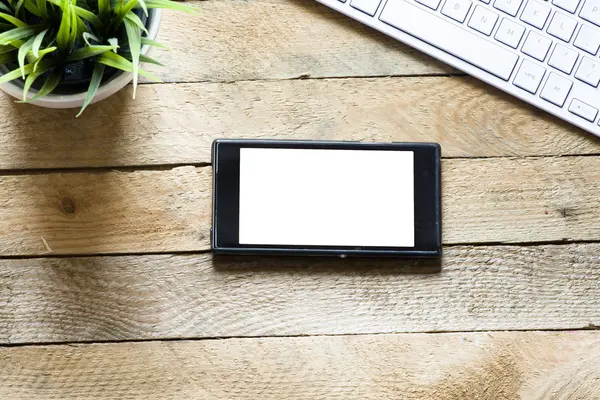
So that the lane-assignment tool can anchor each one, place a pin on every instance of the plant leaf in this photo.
(171, 5)
(154, 43)
(15, 34)
(42, 6)
(5, 8)
(62, 37)
(89, 51)
(16, 73)
(87, 36)
(114, 42)
(15, 21)
(49, 85)
(8, 57)
(142, 3)
(7, 49)
(104, 9)
(131, 16)
(120, 12)
(119, 62)
(94, 85)
(23, 50)
(42, 54)
(18, 7)
(42, 68)
(35, 49)
(31, 6)
(74, 28)
(150, 60)
(89, 17)
(135, 44)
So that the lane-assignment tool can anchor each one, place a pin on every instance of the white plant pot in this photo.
(118, 82)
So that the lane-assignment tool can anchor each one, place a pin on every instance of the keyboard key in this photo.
(583, 110)
(529, 76)
(509, 33)
(536, 46)
(367, 6)
(448, 37)
(485, 1)
(563, 59)
(588, 39)
(433, 4)
(589, 71)
(562, 26)
(535, 14)
(591, 11)
(457, 9)
(483, 20)
(556, 89)
(508, 6)
(567, 5)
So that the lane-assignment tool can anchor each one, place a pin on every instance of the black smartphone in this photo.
(326, 198)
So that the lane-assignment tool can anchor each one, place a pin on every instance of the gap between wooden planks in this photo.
(176, 124)
(283, 39)
(193, 296)
(529, 200)
(494, 366)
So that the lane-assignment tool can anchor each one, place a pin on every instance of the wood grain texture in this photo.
(113, 212)
(494, 366)
(176, 123)
(193, 296)
(249, 40)
(484, 201)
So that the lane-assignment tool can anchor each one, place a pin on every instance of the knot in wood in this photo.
(68, 205)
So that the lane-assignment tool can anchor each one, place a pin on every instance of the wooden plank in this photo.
(282, 39)
(176, 123)
(111, 212)
(484, 201)
(509, 365)
(194, 296)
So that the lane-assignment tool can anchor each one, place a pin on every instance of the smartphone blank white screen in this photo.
(318, 197)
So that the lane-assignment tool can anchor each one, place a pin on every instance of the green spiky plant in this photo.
(40, 39)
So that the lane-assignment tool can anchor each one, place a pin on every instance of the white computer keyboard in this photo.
(544, 52)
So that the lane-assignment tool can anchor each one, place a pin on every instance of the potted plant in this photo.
(71, 53)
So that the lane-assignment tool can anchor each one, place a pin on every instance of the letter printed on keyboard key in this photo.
(563, 59)
(562, 26)
(588, 39)
(457, 9)
(508, 6)
(509, 33)
(483, 20)
(583, 110)
(460, 42)
(529, 76)
(589, 72)
(556, 89)
(535, 14)
(591, 11)
(536, 46)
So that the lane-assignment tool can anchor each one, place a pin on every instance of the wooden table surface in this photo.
(108, 289)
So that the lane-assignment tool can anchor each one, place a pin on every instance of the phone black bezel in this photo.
(226, 186)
